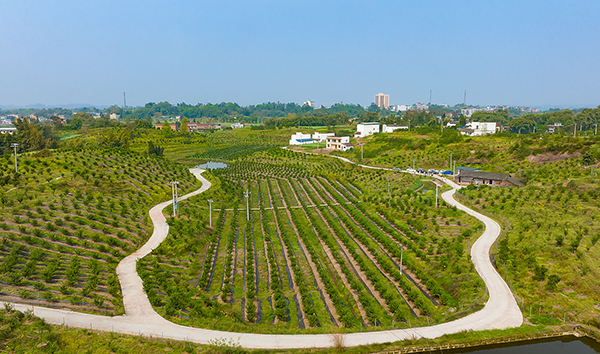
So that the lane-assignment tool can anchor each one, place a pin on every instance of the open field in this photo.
(226, 145)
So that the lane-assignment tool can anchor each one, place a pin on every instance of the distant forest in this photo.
(277, 114)
(232, 112)
(223, 112)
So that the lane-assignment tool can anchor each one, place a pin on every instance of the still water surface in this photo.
(211, 165)
(566, 345)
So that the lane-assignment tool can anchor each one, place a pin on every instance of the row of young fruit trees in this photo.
(309, 253)
(68, 218)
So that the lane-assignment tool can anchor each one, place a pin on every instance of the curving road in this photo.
(501, 311)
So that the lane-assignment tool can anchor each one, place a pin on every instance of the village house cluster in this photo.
(342, 143)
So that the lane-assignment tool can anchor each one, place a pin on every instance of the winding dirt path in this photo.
(501, 310)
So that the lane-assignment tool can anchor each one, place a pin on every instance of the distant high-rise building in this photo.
(309, 103)
(382, 101)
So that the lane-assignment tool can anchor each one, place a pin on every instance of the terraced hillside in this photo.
(549, 249)
(69, 217)
(324, 244)
(223, 145)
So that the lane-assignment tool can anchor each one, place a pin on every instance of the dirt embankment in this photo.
(550, 157)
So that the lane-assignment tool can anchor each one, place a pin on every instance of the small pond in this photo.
(212, 165)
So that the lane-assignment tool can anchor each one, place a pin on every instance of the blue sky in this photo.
(533, 53)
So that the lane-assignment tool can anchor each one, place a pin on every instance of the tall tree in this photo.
(184, 126)
(30, 138)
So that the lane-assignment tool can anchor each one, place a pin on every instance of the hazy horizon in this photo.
(75, 106)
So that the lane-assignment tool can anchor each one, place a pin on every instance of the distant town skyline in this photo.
(310, 103)
(534, 53)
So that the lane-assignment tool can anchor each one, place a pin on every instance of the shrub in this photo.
(48, 296)
(540, 272)
(553, 280)
(24, 293)
(559, 240)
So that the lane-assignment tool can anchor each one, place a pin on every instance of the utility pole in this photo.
(15, 146)
(174, 191)
(247, 195)
(436, 195)
(401, 253)
(210, 212)
(574, 129)
(361, 152)
(389, 194)
(596, 129)
(450, 160)
(98, 139)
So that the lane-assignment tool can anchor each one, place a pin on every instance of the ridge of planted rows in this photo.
(69, 217)
(318, 249)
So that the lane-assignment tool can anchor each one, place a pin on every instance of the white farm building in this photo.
(480, 128)
(321, 137)
(391, 128)
(300, 139)
(366, 129)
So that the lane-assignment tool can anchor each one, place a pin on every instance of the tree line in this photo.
(232, 112)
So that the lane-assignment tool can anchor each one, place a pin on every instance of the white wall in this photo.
(298, 136)
(484, 127)
(390, 129)
(367, 129)
(320, 137)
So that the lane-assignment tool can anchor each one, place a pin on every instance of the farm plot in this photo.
(317, 251)
(69, 217)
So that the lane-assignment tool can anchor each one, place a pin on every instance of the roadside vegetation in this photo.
(25, 333)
